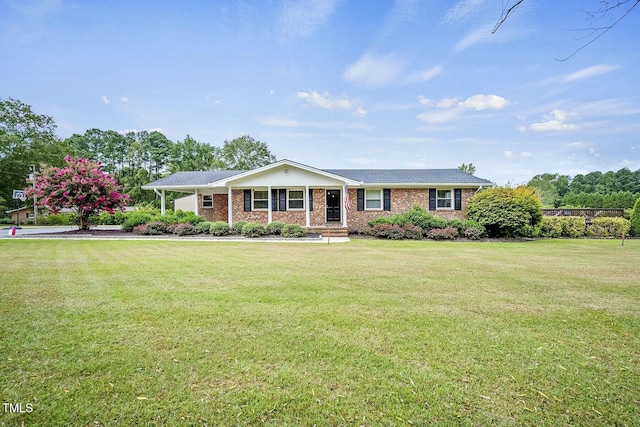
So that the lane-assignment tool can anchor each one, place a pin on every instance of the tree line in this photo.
(593, 190)
(28, 140)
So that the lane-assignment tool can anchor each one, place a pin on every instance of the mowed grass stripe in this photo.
(366, 333)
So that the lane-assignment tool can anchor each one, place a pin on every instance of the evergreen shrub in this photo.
(219, 228)
(292, 230)
(253, 229)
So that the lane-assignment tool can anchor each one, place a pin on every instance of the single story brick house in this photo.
(321, 198)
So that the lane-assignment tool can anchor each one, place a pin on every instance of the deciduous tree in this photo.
(81, 186)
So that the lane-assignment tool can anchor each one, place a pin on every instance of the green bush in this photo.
(635, 220)
(567, 226)
(105, 218)
(292, 230)
(275, 227)
(6, 220)
(608, 227)
(57, 219)
(505, 211)
(189, 217)
(422, 218)
(185, 229)
(237, 227)
(204, 227)
(219, 228)
(136, 218)
(253, 229)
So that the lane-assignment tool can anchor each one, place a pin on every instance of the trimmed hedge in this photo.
(608, 227)
(275, 227)
(635, 219)
(253, 229)
(292, 231)
(219, 228)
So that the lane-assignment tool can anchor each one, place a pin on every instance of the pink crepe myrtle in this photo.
(81, 186)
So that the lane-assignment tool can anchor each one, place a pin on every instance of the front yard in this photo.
(367, 333)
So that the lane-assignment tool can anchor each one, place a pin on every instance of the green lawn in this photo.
(123, 333)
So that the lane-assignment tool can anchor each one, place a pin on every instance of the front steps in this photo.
(330, 231)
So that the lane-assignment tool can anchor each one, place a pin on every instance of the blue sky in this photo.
(339, 83)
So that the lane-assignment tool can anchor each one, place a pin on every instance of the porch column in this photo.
(195, 204)
(344, 208)
(229, 207)
(269, 214)
(162, 201)
(306, 206)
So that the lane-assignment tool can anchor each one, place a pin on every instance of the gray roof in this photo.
(410, 176)
(367, 176)
(195, 178)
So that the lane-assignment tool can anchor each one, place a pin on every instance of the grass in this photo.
(367, 333)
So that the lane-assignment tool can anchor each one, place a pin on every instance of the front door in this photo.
(333, 205)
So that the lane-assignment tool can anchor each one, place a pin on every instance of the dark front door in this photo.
(333, 205)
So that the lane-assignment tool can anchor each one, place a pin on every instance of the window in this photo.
(444, 199)
(373, 199)
(296, 199)
(207, 201)
(260, 199)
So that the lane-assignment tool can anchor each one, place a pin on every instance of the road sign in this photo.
(19, 194)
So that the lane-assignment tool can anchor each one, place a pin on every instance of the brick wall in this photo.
(220, 209)
(401, 201)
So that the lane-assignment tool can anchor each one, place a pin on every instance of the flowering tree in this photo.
(81, 186)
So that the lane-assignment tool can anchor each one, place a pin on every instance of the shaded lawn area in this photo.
(366, 333)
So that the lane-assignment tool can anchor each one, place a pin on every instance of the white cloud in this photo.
(439, 116)
(484, 102)
(460, 11)
(303, 18)
(507, 153)
(555, 121)
(360, 112)
(447, 103)
(425, 75)
(589, 72)
(325, 101)
(423, 100)
(105, 100)
(374, 71)
(474, 37)
(526, 154)
(124, 99)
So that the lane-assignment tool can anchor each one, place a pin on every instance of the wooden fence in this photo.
(586, 213)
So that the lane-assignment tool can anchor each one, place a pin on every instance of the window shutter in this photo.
(432, 199)
(360, 196)
(247, 200)
(457, 199)
(283, 199)
(311, 199)
(387, 199)
(274, 199)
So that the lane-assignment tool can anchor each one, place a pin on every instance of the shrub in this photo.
(57, 219)
(154, 228)
(189, 217)
(105, 218)
(204, 227)
(136, 218)
(505, 211)
(237, 227)
(292, 230)
(387, 231)
(412, 231)
(422, 218)
(635, 220)
(184, 229)
(568, 226)
(274, 227)
(447, 233)
(219, 228)
(473, 233)
(253, 229)
(7, 220)
(608, 227)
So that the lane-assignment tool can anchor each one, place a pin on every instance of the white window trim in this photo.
(380, 192)
(253, 201)
(445, 208)
(289, 200)
(206, 205)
